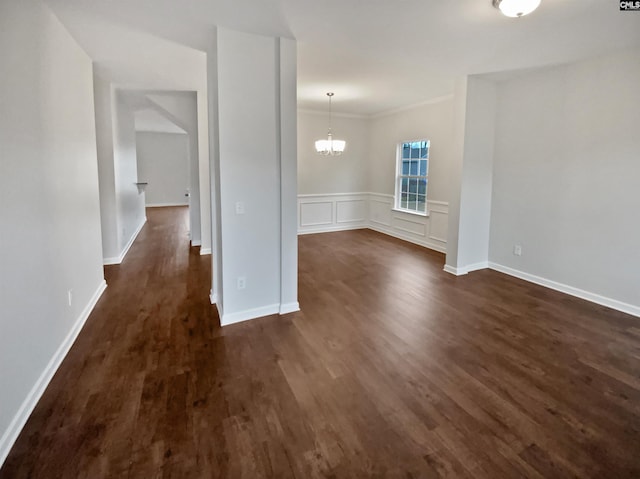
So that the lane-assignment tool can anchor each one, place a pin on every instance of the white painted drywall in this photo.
(149, 119)
(477, 172)
(248, 170)
(104, 100)
(121, 204)
(256, 78)
(288, 176)
(129, 199)
(164, 164)
(213, 136)
(567, 174)
(455, 172)
(136, 60)
(49, 204)
(356, 190)
(184, 109)
(332, 174)
(432, 121)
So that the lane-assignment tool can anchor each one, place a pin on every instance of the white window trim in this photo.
(396, 197)
(412, 212)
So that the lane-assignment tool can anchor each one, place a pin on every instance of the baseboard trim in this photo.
(213, 297)
(205, 251)
(30, 402)
(165, 205)
(453, 270)
(119, 259)
(286, 308)
(466, 269)
(196, 243)
(227, 319)
(433, 246)
(565, 288)
(476, 266)
(332, 229)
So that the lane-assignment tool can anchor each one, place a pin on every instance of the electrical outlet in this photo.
(517, 249)
(239, 208)
(242, 282)
(70, 296)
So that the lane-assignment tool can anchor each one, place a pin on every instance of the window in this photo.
(412, 176)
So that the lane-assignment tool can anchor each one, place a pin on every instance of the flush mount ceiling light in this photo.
(330, 146)
(516, 8)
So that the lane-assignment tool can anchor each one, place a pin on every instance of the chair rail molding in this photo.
(320, 213)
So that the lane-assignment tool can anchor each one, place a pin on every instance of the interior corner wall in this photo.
(455, 178)
(186, 109)
(104, 107)
(204, 184)
(130, 208)
(356, 190)
(566, 172)
(49, 214)
(432, 121)
(250, 122)
(476, 176)
(163, 163)
(122, 211)
(216, 294)
(288, 175)
(318, 174)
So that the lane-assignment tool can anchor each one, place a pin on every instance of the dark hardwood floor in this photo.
(393, 369)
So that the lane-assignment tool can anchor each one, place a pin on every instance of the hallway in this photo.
(117, 401)
(392, 369)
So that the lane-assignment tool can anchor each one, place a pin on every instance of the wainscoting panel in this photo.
(380, 210)
(344, 211)
(317, 213)
(410, 226)
(332, 212)
(349, 211)
(438, 222)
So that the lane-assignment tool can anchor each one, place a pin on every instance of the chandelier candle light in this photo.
(516, 8)
(330, 146)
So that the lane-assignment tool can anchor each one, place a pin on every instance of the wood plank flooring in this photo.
(393, 369)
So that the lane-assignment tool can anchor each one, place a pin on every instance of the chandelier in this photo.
(330, 146)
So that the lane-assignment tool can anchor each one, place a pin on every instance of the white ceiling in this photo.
(376, 55)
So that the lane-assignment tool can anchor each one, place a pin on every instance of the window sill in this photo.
(414, 213)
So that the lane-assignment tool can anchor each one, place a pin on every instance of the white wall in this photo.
(256, 121)
(566, 177)
(346, 173)
(129, 199)
(185, 109)
(49, 205)
(163, 163)
(121, 204)
(357, 191)
(469, 245)
(216, 294)
(432, 121)
(104, 101)
(137, 60)
(288, 128)
(455, 177)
